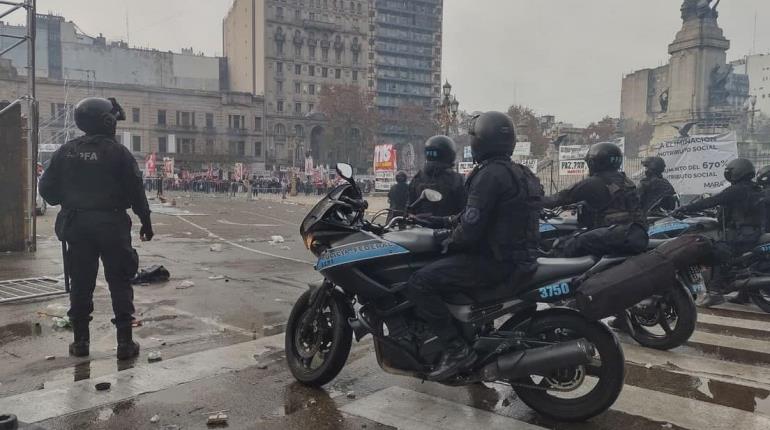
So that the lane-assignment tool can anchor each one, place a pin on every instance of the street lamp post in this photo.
(449, 107)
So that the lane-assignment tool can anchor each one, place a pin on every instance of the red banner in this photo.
(385, 158)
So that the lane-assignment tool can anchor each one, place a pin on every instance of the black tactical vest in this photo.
(514, 231)
(624, 206)
(746, 213)
(445, 181)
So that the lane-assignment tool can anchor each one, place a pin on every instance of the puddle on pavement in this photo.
(735, 396)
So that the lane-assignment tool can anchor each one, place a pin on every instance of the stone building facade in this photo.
(287, 50)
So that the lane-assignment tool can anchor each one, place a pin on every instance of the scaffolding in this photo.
(30, 6)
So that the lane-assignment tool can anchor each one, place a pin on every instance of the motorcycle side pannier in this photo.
(613, 290)
(687, 250)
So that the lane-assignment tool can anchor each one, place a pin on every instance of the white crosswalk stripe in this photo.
(715, 399)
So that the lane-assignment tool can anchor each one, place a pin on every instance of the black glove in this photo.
(430, 221)
(443, 237)
(117, 110)
(145, 232)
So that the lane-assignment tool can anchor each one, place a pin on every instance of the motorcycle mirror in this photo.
(345, 170)
(432, 195)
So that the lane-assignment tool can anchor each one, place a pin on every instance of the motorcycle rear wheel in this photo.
(316, 351)
(607, 370)
(675, 306)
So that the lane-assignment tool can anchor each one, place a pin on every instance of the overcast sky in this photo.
(564, 57)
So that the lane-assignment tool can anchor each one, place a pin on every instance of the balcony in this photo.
(321, 24)
(238, 131)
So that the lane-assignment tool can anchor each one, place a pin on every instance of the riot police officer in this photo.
(742, 218)
(438, 174)
(763, 180)
(398, 196)
(612, 212)
(493, 238)
(654, 190)
(95, 179)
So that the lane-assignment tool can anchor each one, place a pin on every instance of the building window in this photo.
(237, 122)
(279, 130)
(298, 69)
(338, 73)
(325, 72)
(279, 87)
(279, 12)
(162, 118)
(279, 106)
(298, 51)
(185, 119)
(359, 8)
(237, 148)
(355, 58)
(59, 111)
(297, 87)
(257, 149)
(338, 56)
(279, 68)
(135, 115)
(311, 89)
(210, 147)
(136, 143)
(355, 75)
(162, 144)
(258, 123)
(311, 70)
(187, 146)
(297, 14)
(297, 108)
(310, 107)
(209, 120)
(311, 52)
(324, 53)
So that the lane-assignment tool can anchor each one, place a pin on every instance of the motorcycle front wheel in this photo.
(317, 348)
(664, 322)
(576, 393)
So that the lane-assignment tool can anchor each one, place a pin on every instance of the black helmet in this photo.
(492, 134)
(655, 165)
(604, 157)
(96, 115)
(401, 177)
(739, 170)
(763, 176)
(440, 149)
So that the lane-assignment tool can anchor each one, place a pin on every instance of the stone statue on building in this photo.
(663, 99)
(718, 92)
(700, 9)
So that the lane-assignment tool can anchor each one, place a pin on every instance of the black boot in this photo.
(741, 299)
(457, 356)
(713, 299)
(127, 348)
(80, 347)
(619, 323)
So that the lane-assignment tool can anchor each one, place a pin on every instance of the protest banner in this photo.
(696, 164)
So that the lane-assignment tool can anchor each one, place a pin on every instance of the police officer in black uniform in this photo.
(742, 218)
(612, 212)
(95, 179)
(654, 190)
(438, 174)
(763, 180)
(398, 196)
(493, 238)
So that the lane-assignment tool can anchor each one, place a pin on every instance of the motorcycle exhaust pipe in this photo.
(538, 361)
(752, 283)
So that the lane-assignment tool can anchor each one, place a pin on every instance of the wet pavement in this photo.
(244, 284)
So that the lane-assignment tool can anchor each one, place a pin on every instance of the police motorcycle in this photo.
(662, 321)
(560, 363)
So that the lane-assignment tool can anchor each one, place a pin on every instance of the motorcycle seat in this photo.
(548, 269)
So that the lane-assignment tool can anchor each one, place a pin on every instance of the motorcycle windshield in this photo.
(321, 209)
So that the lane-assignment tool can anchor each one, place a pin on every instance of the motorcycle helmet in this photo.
(401, 177)
(492, 134)
(96, 115)
(440, 149)
(739, 170)
(655, 165)
(763, 176)
(604, 157)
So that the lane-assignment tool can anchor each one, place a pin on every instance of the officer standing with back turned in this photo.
(95, 179)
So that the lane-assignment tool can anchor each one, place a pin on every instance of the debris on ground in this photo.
(261, 365)
(62, 322)
(285, 248)
(667, 425)
(50, 357)
(185, 285)
(154, 356)
(648, 366)
(217, 418)
(276, 239)
(103, 386)
(151, 274)
(155, 418)
(217, 247)
(351, 395)
(216, 277)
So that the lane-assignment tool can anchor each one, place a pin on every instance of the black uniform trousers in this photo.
(107, 235)
(736, 243)
(455, 273)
